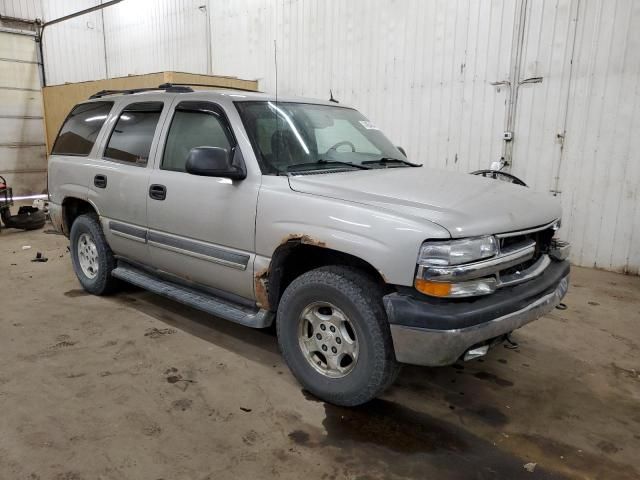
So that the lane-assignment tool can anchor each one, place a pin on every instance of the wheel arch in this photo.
(72, 208)
(299, 255)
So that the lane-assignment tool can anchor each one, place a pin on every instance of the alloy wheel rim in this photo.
(88, 255)
(327, 339)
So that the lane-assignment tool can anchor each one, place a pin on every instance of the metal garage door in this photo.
(22, 150)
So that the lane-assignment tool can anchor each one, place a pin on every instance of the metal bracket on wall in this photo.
(530, 80)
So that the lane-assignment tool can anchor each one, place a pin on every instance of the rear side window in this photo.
(81, 128)
(131, 138)
(194, 124)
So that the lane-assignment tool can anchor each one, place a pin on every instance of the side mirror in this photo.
(214, 162)
(402, 151)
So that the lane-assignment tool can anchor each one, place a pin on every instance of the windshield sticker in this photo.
(368, 125)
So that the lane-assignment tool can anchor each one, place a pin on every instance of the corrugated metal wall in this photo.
(22, 9)
(134, 37)
(600, 170)
(154, 35)
(421, 70)
(438, 76)
(74, 49)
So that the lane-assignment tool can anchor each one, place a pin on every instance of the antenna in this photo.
(331, 99)
(275, 61)
(275, 115)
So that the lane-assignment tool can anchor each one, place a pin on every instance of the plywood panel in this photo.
(60, 99)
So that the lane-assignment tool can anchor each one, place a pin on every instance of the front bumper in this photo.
(440, 335)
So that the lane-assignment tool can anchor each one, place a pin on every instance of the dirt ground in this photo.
(134, 386)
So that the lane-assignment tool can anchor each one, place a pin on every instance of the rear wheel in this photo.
(334, 335)
(92, 258)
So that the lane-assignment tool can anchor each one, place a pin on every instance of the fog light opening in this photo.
(475, 352)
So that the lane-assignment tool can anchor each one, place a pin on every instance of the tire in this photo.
(351, 294)
(31, 219)
(87, 227)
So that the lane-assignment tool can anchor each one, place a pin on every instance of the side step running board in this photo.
(194, 298)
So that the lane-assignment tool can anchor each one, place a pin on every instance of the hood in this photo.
(466, 205)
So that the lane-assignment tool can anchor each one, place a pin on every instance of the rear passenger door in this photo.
(120, 174)
(202, 229)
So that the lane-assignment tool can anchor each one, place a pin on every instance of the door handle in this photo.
(100, 181)
(158, 192)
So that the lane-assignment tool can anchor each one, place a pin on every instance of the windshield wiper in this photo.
(387, 160)
(321, 163)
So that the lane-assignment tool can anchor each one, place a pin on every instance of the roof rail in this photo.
(177, 85)
(167, 87)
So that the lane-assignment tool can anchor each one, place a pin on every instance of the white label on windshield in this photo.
(368, 125)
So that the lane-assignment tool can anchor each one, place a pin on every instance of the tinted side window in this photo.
(81, 128)
(189, 129)
(131, 138)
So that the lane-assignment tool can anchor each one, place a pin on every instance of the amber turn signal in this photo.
(435, 289)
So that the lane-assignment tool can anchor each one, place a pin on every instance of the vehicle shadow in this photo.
(445, 420)
(259, 345)
(445, 385)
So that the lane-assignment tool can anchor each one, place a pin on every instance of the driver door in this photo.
(201, 229)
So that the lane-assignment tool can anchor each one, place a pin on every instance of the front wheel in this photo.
(334, 336)
(92, 258)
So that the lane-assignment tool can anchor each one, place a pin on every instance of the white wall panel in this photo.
(600, 170)
(421, 70)
(74, 49)
(22, 9)
(139, 36)
(540, 119)
(587, 55)
(145, 36)
(575, 132)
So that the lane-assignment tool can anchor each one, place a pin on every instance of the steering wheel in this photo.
(498, 175)
(339, 144)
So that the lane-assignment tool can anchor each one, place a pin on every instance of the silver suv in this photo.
(301, 212)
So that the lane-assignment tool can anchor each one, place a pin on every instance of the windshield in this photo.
(297, 137)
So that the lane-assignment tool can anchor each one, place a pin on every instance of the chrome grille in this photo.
(540, 238)
(523, 255)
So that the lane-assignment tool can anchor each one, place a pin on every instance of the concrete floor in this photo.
(138, 387)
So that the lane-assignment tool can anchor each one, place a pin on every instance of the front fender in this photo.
(387, 241)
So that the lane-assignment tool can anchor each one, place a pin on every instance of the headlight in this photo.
(439, 255)
(456, 252)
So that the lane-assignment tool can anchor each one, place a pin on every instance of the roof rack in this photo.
(167, 87)
(212, 86)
